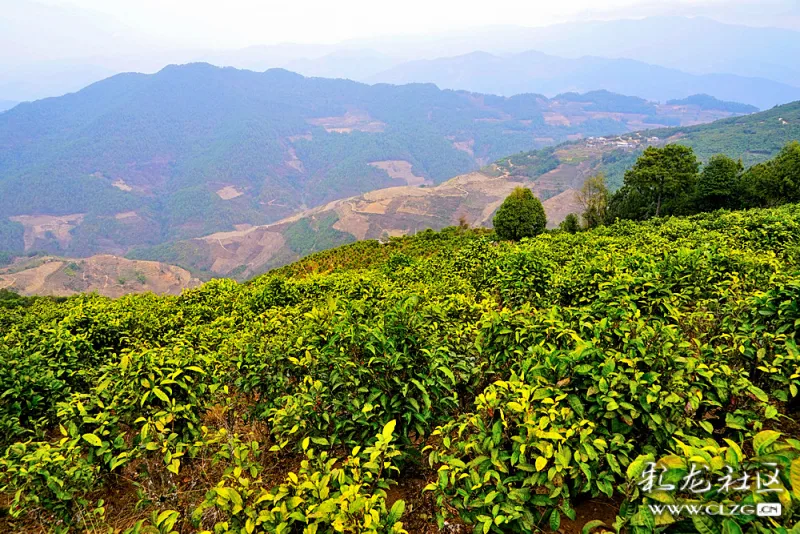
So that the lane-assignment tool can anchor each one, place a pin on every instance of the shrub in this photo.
(324, 496)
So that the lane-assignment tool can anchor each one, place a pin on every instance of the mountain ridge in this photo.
(537, 72)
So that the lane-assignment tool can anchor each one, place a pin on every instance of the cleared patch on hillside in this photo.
(48, 228)
(294, 162)
(248, 248)
(399, 170)
(555, 119)
(30, 281)
(119, 183)
(351, 121)
(465, 146)
(351, 222)
(125, 215)
(228, 192)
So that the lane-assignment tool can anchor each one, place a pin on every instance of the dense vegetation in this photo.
(517, 379)
(608, 101)
(668, 181)
(753, 138)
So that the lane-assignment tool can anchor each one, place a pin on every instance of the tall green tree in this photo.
(594, 197)
(661, 182)
(716, 185)
(520, 215)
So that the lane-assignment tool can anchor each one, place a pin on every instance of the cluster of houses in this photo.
(630, 141)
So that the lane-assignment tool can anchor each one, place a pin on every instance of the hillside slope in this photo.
(554, 174)
(194, 149)
(472, 198)
(752, 138)
(110, 276)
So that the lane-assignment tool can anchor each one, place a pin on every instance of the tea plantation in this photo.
(445, 380)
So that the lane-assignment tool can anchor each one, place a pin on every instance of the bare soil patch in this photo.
(119, 183)
(555, 119)
(399, 170)
(108, 275)
(228, 192)
(352, 120)
(48, 227)
(558, 207)
(125, 215)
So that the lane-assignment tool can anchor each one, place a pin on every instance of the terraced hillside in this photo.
(381, 214)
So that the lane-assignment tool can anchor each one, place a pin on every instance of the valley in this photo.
(554, 174)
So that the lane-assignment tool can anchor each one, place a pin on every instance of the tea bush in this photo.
(519, 379)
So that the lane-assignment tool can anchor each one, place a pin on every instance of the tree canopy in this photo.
(661, 182)
(717, 183)
(520, 215)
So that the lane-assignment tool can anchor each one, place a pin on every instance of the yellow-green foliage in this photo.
(530, 375)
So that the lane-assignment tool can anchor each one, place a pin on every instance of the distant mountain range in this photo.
(695, 45)
(89, 48)
(536, 72)
(7, 104)
(195, 149)
(704, 101)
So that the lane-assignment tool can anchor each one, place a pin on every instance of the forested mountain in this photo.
(194, 149)
(704, 101)
(752, 138)
(536, 72)
(7, 104)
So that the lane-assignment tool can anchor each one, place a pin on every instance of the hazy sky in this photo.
(240, 23)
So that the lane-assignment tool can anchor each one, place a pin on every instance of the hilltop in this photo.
(140, 160)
